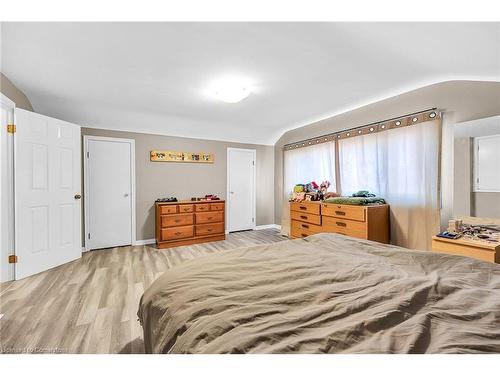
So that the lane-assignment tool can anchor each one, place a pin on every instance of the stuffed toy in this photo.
(299, 188)
(298, 197)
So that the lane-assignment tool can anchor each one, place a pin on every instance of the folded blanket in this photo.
(357, 201)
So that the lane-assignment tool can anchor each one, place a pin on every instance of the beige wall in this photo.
(13, 93)
(462, 172)
(460, 100)
(486, 205)
(156, 180)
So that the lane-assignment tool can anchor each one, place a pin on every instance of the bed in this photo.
(326, 293)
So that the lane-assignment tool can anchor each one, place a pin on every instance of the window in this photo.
(312, 163)
(401, 166)
(486, 164)
(303, 165)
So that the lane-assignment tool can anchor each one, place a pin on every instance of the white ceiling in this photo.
(151, 77)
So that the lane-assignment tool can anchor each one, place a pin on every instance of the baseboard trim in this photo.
(268, 226)
(144, 242)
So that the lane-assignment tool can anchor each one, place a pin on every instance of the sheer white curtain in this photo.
(401, 166)
(303, 165)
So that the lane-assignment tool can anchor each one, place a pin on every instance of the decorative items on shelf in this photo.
(181, 157)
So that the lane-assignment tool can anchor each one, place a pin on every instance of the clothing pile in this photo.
(360, 198)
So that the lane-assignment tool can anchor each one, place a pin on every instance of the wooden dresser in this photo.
(367, 222)
(189, 222)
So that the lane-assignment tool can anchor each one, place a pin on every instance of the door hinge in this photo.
(253, 219)
(89, 236)
(253, 162)
(12, 258)
(11, 128)
(88, 155)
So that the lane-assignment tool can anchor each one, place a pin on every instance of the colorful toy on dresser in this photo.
(311, 192)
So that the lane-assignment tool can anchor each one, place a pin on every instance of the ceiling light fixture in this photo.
(432, 114)
(231, 89)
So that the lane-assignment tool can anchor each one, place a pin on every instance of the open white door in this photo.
(47, 193)
(241, 189)
(109, 192)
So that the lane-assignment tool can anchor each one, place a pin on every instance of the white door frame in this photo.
(228, 194)
(7, 243)
(86, 193)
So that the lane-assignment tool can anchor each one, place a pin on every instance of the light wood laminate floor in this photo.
(90, 305)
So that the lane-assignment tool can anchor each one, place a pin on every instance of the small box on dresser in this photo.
(369, 222)
(189, 222)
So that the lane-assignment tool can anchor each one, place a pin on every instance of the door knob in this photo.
(77, 196)
(232, 192)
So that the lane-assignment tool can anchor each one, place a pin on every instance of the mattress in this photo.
(326, 293)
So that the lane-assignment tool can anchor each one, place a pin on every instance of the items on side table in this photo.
(472, 240)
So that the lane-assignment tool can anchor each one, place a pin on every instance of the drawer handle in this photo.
(178, 233)
(177, 220)
(305, 226)
(340, 224)
(342, 213)
(209, 229)
(185, 209)
(303, 216)
(303, 207)
(209, 218)
(303, 235)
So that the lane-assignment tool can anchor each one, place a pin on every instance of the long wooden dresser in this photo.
(189, 222)
(367, 222)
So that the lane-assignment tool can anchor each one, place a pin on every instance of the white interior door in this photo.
(6, 190)
(47, 190)
(109, 192)
(241, 189)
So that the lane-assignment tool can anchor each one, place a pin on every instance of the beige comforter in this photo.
(324, 294)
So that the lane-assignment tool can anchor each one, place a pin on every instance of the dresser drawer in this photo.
(216, 206)
(176, 220)
(202, 207)
(348, 227)
(304, 216)
(207, 229)
(209, 217)
(344, 211)
(311, 208)
(175, 233)
(186, 208)
(301, 229)
(168, 209)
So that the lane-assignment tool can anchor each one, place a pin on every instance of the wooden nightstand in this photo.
(488, 251)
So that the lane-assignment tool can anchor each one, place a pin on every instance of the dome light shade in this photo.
(231, 89)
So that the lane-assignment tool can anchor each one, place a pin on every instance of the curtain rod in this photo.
(309, 141)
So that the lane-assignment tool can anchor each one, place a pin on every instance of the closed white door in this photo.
(47, 193)
(109, 189)
(241, 189)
